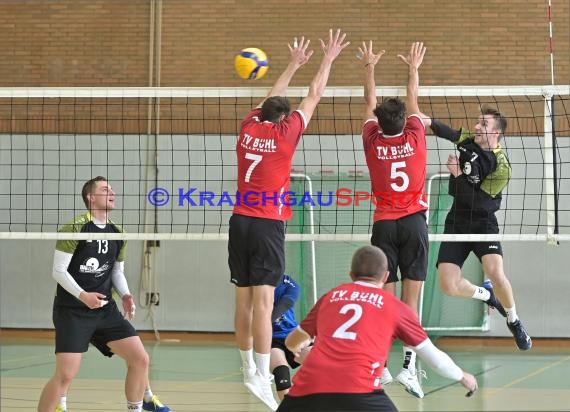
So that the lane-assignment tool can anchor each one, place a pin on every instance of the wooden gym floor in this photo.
(200, 372)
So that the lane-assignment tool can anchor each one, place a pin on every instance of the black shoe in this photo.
(493, 302)
(524, 342)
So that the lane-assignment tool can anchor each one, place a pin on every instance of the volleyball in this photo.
(251, 63)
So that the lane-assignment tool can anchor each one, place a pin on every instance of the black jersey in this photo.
(92, 261)
(477, 192)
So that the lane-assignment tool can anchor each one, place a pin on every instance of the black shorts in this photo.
(76, 327)
(457, 252)
(338, 402)
(256, 251)
(290, 356)
(406, 244)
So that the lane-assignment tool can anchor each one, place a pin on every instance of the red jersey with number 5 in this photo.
(353, 325)
(397, 166)
(264, 154)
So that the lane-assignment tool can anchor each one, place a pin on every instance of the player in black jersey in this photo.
(84, 311)
(478, 177)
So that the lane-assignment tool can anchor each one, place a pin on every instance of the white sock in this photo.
(409, 358)
(511, 314)
(148, 395)
(134, 406)
(262, 360)
(247, 359)
(481, 293)
(63, 402)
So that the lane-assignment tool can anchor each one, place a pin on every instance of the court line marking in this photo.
(492, 392)
(455, 383)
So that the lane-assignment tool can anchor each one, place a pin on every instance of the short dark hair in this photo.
(88, 188)
(391, 114)
(369, 262)
(274, 107)
(500, 120)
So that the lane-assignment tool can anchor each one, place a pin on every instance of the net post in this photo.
(549, 147)
(312, 232)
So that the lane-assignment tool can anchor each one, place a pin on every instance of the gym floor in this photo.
(200, 372)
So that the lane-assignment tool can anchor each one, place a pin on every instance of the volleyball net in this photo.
(169, 153)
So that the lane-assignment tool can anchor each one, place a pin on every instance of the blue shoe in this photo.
(493, 302)
(155, 405)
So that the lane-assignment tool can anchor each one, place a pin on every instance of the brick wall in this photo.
(106, 42)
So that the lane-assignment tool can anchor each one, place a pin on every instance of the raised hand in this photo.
(416, 56)
(335, 44)
(367, 55)
(299, 53)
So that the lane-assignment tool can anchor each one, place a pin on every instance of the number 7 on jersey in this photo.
(256, 160)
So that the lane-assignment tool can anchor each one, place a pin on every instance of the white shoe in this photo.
(247, 373)
(386, 378)
(409, 379)
(261, 388)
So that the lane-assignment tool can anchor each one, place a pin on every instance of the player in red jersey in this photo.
(353, 326)
(396, 155)
(267, 140)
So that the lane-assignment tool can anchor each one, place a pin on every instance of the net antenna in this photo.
(551, 42)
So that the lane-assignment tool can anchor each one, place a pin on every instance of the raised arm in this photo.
(331, 51)
(299, 56)
(414, 60)
(369, 60)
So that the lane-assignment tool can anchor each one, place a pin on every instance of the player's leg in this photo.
(413, 246)
(151, 402)
(261, 326)
(384, 232)
(450, 259)
(66, 367)
(243, 328)
(280, 370)
(493, 267)
(122, 339)
(267, 264)
(73, 330)
(132, 351)
(238, 260)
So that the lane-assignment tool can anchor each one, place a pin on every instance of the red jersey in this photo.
(397, 166)
(354, 325)
(264, 154)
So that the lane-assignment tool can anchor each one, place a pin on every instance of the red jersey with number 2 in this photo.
(397, 166)
(264, 154)
(354, 325)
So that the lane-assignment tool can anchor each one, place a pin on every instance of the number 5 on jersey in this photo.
(256, 160)
(399, 174)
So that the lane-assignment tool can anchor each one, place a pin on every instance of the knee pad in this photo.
(282, 377)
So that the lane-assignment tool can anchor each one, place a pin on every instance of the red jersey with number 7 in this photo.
(354, 325)
(264, 154)
(397, 166)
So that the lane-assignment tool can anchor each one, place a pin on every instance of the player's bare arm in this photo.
(414, 60)
(369, 59)
(300, 55)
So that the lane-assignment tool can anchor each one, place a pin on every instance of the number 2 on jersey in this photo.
(256, 160)
(342, 331)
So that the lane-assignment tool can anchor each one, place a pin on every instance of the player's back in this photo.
(354, 325)
(264, 154)
(397, 166)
